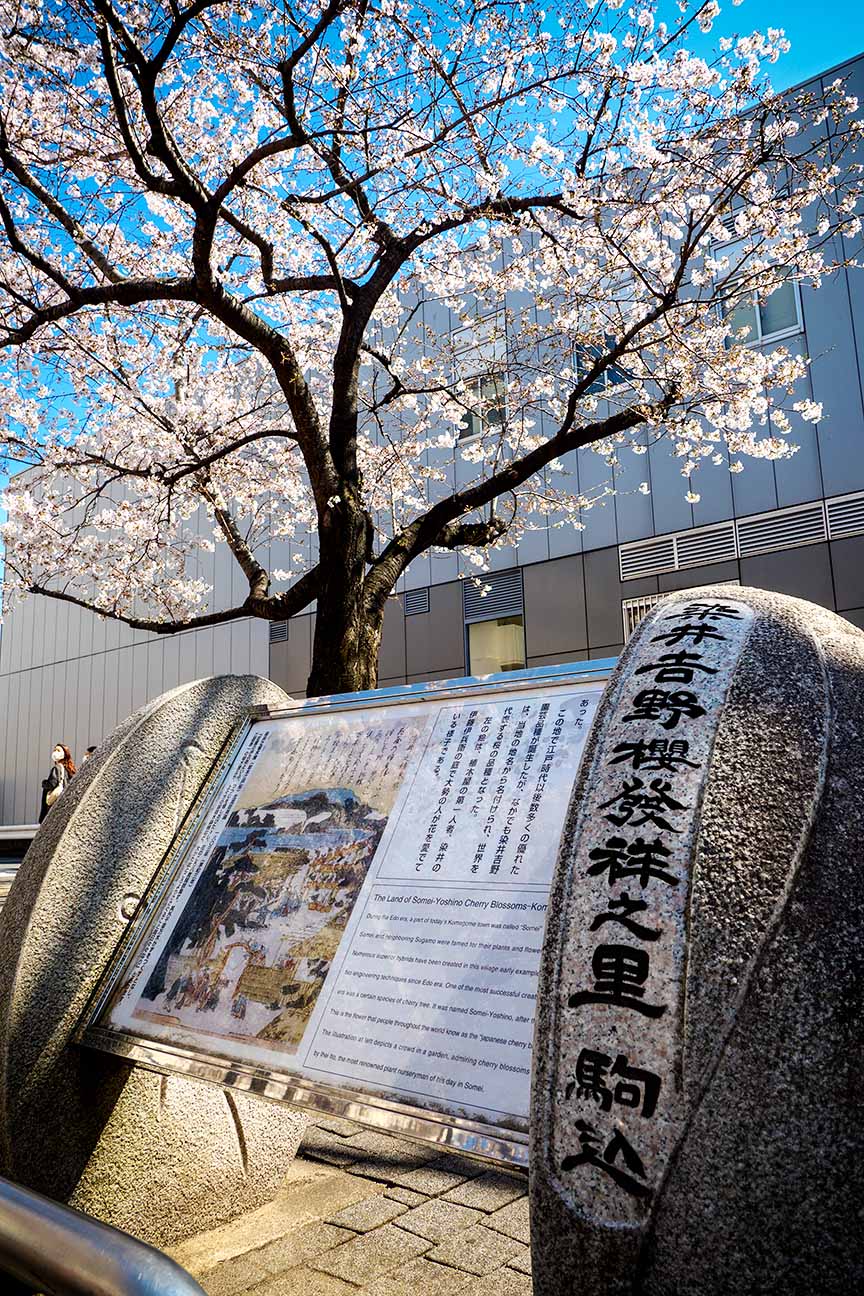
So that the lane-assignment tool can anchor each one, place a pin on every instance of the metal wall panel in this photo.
(436, 642)
(713, 484)
(799, 479)
(566, 539)
(203, 640)
(187, 652)
(391, 658)
(594, 475)
(110, 713)
(634, 515)
(836, 381)
(124, 686)
(221, 650)
(555, 618)
(710, 574)
(847, 563)
(755, 489)
(259, 649)
(668, 489)
(603, 595)
(803, 573)
(170, 663)
(53, 613)
(5, 688)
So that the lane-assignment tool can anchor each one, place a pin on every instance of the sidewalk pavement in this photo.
(363, 1214)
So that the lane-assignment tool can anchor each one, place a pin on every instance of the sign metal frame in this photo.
(501, 1144)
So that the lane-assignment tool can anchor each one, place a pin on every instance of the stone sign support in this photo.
(697, 1086)
(159, 1157)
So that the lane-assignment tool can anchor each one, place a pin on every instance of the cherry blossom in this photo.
(261, 269)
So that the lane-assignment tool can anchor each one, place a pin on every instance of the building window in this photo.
(494, 610)
(487, 405)
(480, 358)
(776, 316)
(612, 376)
(497, 645)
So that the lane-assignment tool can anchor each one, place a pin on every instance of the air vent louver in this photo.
(503, 597)
(706, 545)
(845, 515)
(278, 632)
(784, 529)
(634, 609)
(647, 557)
(788, 528)
(416, 601)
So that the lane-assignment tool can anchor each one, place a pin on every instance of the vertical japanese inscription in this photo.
(618, 1098)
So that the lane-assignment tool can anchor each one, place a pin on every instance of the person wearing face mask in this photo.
(62, 769)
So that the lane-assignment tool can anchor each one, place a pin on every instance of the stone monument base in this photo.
(696, 1101)
(160, 1157)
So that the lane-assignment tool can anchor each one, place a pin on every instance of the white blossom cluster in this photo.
(258, 264)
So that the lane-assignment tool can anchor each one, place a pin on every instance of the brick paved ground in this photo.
(364, 1214)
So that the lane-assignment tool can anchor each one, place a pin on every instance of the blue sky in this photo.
(822, 34)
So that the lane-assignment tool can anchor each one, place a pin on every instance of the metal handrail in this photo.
(55, 1249)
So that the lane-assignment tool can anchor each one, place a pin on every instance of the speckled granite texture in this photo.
(758, 1187)
(343, 1225)
(160, 1157)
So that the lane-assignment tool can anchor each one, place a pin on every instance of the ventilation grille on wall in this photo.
(845, 515)
(278, 631)
(646, 558)
(784, 529)
(634, 609)
(706, 545)
(503, 596)
(416, 601)
(789, 528)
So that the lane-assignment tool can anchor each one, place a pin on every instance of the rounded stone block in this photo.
(696, 1101)
(162, 1157)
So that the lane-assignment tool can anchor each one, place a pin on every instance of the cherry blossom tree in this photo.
(230, 232)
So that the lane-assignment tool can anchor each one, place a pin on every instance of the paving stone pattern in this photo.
(432, 1224)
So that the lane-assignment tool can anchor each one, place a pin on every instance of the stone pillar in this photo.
(697, 1089)
(159, 1157)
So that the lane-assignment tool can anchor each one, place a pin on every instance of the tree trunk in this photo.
(347, 631)
(344, 652)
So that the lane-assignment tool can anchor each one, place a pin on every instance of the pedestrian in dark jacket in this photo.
(62, 770)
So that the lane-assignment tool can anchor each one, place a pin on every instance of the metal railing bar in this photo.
(58, 1250)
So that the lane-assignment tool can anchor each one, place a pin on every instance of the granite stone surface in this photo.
(160, 1157)
(512, 1220)
(404, 1195)
(696, 1110)
(420, 1278)
(303, 1282)
(506, 1282)
(488, 1192)
(370, 1254)
(370, 1213)
(477, 1250)
(437, 1219)
(300, 1248)
(329, 1233)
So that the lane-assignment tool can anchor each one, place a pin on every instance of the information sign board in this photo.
(353, 916)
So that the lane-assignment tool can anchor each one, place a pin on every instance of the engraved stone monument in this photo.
(696, 1104)
(159, 1156)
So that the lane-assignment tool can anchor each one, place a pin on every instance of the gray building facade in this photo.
(795, 526)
